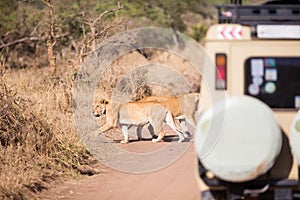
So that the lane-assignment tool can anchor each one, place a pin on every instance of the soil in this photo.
(176, 181)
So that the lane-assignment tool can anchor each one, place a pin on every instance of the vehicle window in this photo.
(274, 80)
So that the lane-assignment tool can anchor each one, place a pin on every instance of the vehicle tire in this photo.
(213, 195)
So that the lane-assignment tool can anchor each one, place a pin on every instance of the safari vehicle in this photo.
(256, 49)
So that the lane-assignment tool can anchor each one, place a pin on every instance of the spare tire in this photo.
(295, 137)
(238, 139)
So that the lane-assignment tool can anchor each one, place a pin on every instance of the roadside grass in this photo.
(38, 142)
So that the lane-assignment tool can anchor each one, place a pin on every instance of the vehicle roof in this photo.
(274, 12)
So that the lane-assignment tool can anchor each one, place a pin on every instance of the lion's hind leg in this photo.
(170, 121)
(160, 136)
(157, 126)
(151, 131)
(139, 132)
(156, 119)
(184, 128)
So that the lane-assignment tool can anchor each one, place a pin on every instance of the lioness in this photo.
(137, 114)
(182, 107)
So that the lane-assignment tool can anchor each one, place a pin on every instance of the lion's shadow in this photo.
(167, 139)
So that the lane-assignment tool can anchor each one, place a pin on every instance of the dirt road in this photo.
(176, 182)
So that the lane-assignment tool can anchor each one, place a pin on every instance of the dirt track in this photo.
(175, 182)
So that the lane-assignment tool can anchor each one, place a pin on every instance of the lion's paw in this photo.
(124, 141)
(187, 134)
(155, 140)
(180, 141)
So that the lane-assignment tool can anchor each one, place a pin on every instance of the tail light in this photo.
(221, 71)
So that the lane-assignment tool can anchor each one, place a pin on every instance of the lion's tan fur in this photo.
(137, 114)
(152, 109)
(182, 107)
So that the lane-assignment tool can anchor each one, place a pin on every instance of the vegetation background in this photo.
(42, 43)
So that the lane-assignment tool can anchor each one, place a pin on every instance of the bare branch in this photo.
(94, 22)
(90, 36)
(47, 3)
(30, 38)
(20, 41)
(36, 27)
(105, 30)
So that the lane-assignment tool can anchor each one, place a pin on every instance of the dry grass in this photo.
(38, 142)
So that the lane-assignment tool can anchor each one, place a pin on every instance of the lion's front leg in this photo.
(102, 129)
(106, 127)
(125, 133)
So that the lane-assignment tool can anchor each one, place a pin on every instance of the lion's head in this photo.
(100, 107)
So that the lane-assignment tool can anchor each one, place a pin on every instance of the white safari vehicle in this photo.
(248, 135)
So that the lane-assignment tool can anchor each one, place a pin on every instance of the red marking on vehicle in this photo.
(230, 32)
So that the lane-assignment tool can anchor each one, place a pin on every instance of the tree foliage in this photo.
(25, 29)
(24, 24)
